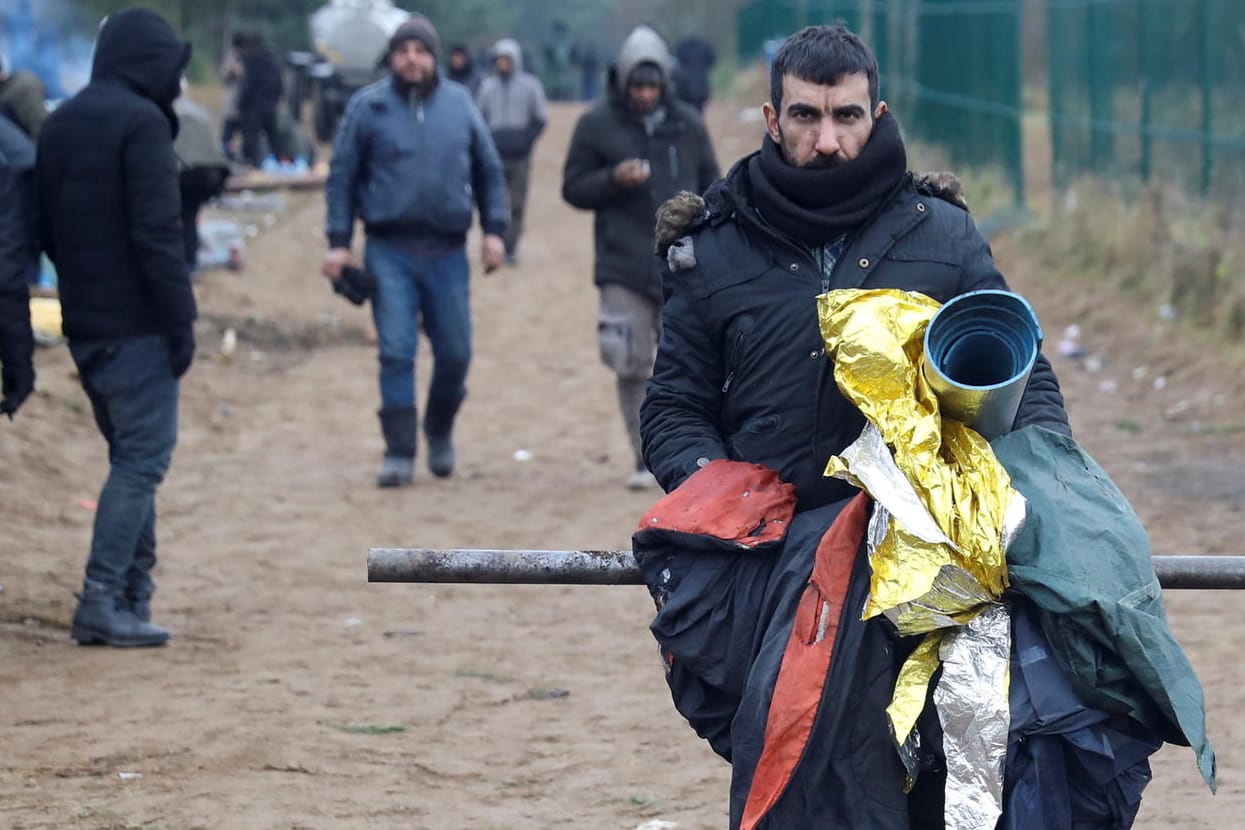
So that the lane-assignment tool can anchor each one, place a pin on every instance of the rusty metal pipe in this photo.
(617, 567)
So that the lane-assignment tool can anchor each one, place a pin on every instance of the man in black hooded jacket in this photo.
(259, 94)
(109, 215)
(630, 153)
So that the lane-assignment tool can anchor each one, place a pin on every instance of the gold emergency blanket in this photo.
(944, 504)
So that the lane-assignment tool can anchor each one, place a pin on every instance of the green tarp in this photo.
(1084, 559)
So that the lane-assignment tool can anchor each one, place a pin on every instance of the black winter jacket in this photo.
(18, 250)
(261, 87)
(680, 156)
(741, 371)
(106, 183)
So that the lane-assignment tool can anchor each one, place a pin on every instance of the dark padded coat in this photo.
(680, 157)
(261, 87)
(106, 182)
(18, 258)
(741, 371)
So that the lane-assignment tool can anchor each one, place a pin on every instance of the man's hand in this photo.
(334, 261)
(181, 349)
(492, 252)
(19, 382)
(631, 172)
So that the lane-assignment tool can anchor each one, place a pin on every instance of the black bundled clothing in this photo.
(768, 660)
(741, 371)
(106, 181)
(680, 157)
(18, 258)
(724, 620)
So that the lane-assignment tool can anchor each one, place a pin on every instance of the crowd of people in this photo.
(707, 319)
(417, 155)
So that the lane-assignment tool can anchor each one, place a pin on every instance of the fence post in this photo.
(1101, 86)
(1145, 56)
(1208, 81)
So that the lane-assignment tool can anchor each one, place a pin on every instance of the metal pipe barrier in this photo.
(617, 567)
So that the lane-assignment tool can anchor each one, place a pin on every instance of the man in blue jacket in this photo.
(109, 216)
(411, 156)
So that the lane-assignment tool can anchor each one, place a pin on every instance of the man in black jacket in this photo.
(629, 154)
(827, 203)
(259, 94)
(109, 217)
(742, 375)
(19, 253)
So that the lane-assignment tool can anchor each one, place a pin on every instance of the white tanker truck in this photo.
(351, 40)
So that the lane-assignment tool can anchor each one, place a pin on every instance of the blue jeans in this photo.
(134, 396)
(412, 286)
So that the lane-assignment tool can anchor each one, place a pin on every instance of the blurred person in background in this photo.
(231, 79)
(411, 157)
(512, 103)
(695, 58)
(19, 257)
(23, 99)
(462, 67)
(203, 168)
(259, 94)
(629, 153)
(109, 218)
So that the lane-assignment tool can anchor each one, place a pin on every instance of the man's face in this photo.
(504, 65)
(411, 61)
(458, 60)
(821, 125)
(643, 97)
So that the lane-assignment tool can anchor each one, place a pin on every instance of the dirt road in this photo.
(295, 695)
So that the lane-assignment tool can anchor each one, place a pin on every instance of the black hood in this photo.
(138, 48)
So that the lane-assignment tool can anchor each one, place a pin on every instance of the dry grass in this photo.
(1185, 256)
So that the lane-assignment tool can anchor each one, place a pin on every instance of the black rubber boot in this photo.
(104, 618)
(398, 427)
(438, 428)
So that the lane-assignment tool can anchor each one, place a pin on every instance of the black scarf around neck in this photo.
(816, 206)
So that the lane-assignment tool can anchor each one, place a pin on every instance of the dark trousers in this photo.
(517, 172)
(255, 124)
(133, 395)
(229, 129)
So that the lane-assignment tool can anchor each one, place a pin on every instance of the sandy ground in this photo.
(295, 695)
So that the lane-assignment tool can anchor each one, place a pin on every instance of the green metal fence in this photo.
(1143, 89)
(1136, 89)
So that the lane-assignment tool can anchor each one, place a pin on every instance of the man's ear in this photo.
(879, 110)
(771, 122)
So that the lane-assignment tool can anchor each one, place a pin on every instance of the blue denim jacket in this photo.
(411, 167)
